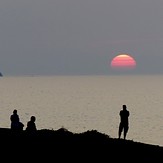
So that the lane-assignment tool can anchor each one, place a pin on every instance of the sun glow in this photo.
(123, 61)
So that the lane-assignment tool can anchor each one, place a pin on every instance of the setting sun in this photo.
(123, 61)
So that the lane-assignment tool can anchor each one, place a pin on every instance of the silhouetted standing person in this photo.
(31, 126)
(124, 122)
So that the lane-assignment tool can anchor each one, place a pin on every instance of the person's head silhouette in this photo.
(15, 111)
(124, 107)
(33, 118)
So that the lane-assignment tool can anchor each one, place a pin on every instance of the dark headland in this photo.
(63, 145)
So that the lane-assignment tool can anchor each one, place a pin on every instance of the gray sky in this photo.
(69, 37)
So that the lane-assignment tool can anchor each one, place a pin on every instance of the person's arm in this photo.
(35, 126)
(120, 113)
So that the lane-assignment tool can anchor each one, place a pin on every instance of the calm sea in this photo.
(81, 103)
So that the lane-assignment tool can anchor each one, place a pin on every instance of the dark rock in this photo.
(63, 145)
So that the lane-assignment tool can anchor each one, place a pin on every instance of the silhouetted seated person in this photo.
(16, 125)
(31, 126)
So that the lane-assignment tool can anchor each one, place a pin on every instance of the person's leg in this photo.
(125, 131)
(120, 130)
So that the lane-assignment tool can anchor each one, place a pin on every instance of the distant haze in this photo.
(72, 37)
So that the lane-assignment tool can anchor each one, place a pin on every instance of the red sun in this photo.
(123, 61)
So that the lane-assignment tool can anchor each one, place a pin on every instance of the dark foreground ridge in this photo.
(63, 145)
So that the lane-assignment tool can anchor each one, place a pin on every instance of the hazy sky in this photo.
(69, 37)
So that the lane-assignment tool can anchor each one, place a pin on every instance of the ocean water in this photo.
(81, 103)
